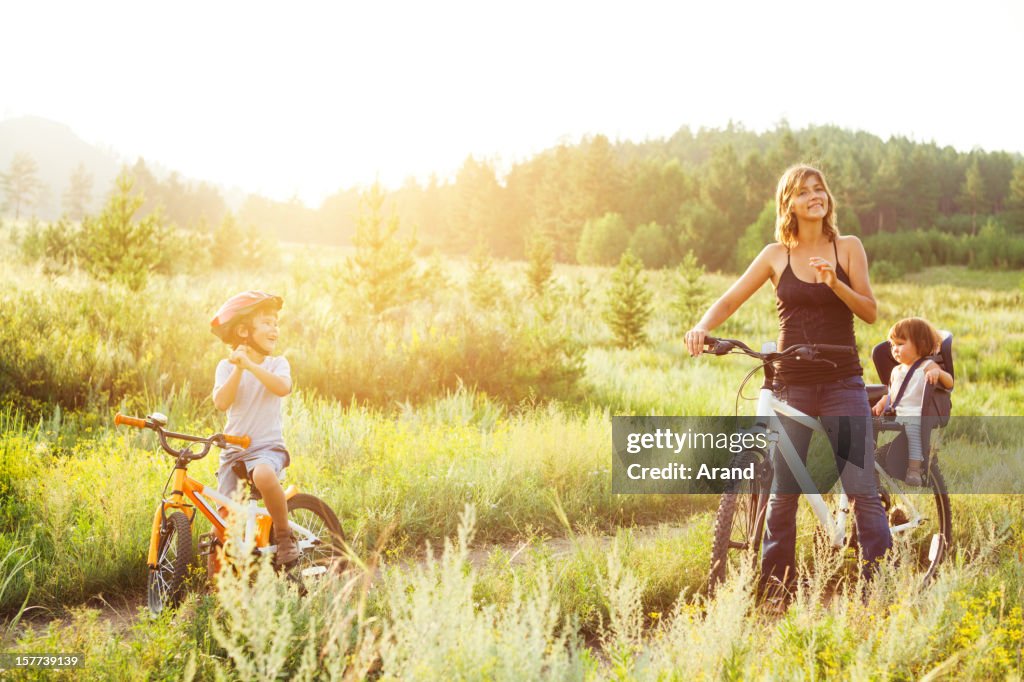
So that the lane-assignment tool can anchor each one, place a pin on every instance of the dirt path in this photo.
(123, 611)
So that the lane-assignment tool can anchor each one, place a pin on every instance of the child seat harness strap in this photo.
(906, 381)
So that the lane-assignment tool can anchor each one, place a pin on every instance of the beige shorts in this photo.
(275, 456)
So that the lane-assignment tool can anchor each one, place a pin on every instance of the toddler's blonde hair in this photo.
(918, 331)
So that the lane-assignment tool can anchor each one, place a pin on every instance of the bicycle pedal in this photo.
(208, 542)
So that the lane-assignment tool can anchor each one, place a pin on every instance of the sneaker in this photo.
(287, 550)
(915, 473)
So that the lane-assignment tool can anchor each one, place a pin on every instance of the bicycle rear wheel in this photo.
(321, 540)
(739, 522)
(165, 583)
(922, 521)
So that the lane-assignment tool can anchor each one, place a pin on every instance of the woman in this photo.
(821, 282)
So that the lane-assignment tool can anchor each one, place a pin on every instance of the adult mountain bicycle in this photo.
(921, 521)
(315, 526)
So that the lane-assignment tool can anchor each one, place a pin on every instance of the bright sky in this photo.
(303, 98)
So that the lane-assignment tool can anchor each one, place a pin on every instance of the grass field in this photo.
(568, 582)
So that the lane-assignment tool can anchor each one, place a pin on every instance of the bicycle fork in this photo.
(175, 502)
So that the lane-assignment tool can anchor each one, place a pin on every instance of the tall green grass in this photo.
(437, 620)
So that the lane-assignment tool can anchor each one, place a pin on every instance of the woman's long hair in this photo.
(785, 220)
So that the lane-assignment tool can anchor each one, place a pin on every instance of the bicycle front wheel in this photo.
(165, 584)
(739, 522)
(318, 534)
(922, 521)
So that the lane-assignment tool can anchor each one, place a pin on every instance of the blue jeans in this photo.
(853, 443)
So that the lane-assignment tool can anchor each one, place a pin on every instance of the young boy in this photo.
(249, 386)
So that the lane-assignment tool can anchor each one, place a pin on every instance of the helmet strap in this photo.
(251, 343)
(259, 349)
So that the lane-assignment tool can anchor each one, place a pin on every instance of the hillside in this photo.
(58, 151)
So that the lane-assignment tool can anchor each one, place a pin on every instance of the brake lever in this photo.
(812, 355)
(815, 356)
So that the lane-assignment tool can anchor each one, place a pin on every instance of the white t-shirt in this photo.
(913, 397)
(256, 412)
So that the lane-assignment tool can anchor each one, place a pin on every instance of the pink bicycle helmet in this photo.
(239, 306)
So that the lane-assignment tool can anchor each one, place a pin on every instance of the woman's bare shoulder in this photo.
(774, 255)
(850, 248)
(774, 250)
(850, 241)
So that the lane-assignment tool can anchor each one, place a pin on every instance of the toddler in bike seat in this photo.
(249, 386)
(919, 382)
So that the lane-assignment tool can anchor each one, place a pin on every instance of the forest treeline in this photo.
(709, 192)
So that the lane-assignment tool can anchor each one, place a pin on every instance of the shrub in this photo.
(883, 271)
(757, 235)
(911, 250)
(603, 240)
(994, 247)
(652, 246)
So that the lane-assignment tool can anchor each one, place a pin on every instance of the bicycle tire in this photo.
(739, 521)
(328, 555)
(165, 583)
(934, 539)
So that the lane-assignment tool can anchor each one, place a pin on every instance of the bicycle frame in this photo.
(257, 518)
(769, 408)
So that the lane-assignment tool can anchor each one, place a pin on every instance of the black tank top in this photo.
(812, 313)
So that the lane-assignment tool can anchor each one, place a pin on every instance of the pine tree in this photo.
(235, 247)
(485, 288)
(115, 245)
(540, 256)
(78, 195)
(21, 184)
(691, 291)
(628, 308)
(972, 193)
(383, 269)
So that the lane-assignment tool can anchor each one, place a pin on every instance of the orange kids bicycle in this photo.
(315, 526)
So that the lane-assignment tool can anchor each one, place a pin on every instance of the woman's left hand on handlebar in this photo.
(694, 340)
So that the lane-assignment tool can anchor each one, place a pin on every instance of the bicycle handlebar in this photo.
(218, 439)
(130, 421)
(809, 351)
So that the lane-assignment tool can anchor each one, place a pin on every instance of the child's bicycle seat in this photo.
(936, 406)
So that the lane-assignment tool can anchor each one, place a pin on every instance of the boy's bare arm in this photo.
(279, 386)
(224, 395)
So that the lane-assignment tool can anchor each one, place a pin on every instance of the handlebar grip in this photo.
(244, 441)
(129, 421)
(829, 348)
